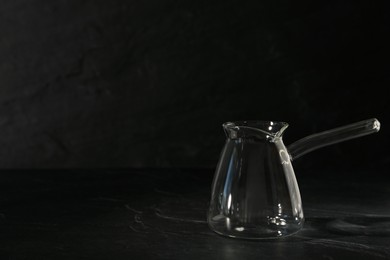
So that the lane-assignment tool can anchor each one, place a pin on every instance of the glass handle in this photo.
(333, 136)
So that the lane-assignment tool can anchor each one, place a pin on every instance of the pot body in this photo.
(255, 194)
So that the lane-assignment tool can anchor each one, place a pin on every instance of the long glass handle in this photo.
(333, 136)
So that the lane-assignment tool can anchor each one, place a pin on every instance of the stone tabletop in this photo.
(161, 214)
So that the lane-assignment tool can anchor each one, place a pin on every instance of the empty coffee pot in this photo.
(255, 194)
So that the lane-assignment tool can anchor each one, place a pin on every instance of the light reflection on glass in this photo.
(228, 225)
(239, 229)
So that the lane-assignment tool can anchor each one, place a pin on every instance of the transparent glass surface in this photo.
(255, 194)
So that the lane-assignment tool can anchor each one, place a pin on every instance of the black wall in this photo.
(149, 83)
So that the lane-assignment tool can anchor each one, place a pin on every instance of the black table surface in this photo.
(161, 214)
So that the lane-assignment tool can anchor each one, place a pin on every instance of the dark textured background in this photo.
(149, 83)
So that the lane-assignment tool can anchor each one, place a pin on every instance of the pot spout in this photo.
(258, 129)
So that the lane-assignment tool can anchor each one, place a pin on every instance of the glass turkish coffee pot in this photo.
(254, 193)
